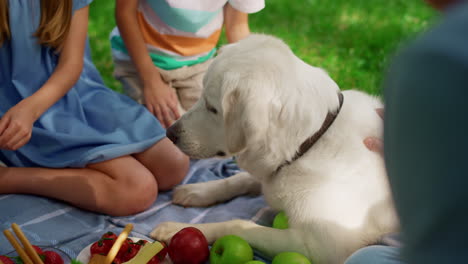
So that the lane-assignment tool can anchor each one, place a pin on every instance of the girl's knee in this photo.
(132, 203)
(174, 171)
(181, 167)
(127, 187)
(132, 196)
(168, 164)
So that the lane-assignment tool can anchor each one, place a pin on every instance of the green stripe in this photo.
(159, 60)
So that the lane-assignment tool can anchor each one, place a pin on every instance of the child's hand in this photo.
(16, 126)
(161, 100)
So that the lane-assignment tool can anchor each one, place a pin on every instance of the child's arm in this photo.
(236, 24)
(159, 98)
(16, 124)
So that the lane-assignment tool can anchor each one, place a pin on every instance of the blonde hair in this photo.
(53, 27)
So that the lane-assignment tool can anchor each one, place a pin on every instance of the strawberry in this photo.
(130, 252)
(38, 250)
(117, 261)
(104, 244)
(52, 257)
(142, 242)
(110, 235)
(6, 260)
(109, 239)
(126, 245)
(99, 247)
(159, 258)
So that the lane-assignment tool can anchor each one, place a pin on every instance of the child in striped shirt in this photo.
(162, 48)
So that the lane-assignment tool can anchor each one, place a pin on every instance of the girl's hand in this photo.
(161, 100)
(16, 126)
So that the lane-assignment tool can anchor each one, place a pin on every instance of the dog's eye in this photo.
(211, 109)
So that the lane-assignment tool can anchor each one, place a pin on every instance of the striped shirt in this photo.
(180, 33)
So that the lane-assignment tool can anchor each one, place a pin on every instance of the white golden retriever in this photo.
(300, 141)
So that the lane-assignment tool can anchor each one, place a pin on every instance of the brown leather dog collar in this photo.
(309, 142)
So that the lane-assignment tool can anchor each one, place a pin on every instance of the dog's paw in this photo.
(165, 231)
(194, 195)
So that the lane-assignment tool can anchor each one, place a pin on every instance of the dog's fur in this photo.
(260, 103)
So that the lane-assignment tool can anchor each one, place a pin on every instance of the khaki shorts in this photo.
(187, 81)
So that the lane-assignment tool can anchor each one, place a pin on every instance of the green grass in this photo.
(101, 23)
(353, 40)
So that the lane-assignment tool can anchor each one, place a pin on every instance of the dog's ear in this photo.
(245, 110)
(233, 114)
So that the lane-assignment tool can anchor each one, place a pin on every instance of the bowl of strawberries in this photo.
(48, 254)
(127, 251)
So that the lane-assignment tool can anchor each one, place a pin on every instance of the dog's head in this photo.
(257, 95)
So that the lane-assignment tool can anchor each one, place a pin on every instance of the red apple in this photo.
(188, 246)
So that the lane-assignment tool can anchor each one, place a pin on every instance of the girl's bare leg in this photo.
(120, 186)
(166, 162)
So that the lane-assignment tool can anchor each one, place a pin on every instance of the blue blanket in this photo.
(50, 222)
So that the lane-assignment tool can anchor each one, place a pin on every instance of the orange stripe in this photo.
(185, 46)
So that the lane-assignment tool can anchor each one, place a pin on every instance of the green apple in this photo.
(255, 262)
(280, 221)
(290, 258)
(230, 249)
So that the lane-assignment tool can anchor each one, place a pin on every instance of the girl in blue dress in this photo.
(64, 134)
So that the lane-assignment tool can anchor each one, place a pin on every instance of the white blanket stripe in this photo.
(200, 216)
(48, 216)
(5, 196)
(259, 214)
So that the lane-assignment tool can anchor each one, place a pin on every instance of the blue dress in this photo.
(90, 124)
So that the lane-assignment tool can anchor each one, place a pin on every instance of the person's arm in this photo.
(69, 67)
(16, 124)
(236, 24)
(126, 18)
(426, 140)
(160, 99)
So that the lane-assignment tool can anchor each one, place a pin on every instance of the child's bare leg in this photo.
(167, 163)
(120, 186)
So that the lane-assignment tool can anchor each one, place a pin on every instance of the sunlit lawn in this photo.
(352, 39)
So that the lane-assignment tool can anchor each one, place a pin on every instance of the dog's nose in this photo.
(172, 135)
